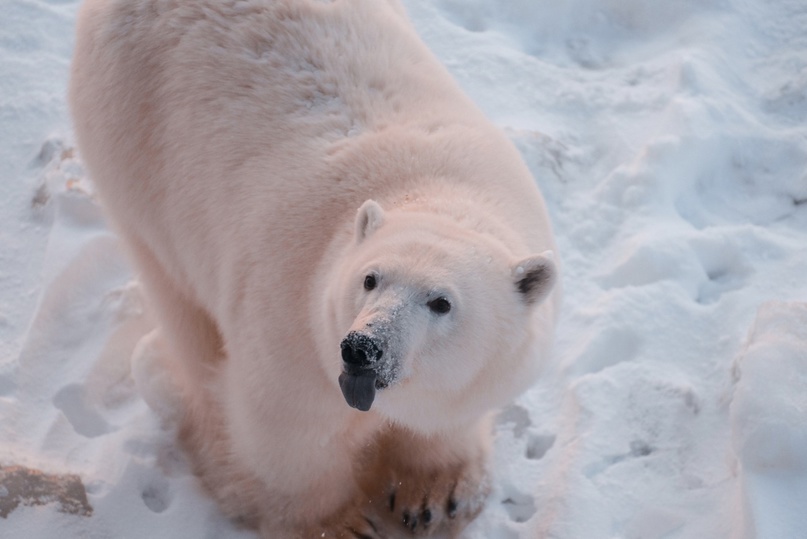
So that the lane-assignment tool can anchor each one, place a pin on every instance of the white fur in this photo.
(232, 143)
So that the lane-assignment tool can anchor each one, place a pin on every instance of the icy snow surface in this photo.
(670, 140)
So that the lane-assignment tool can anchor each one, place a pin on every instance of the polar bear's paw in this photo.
(429, 501)
(412, 492)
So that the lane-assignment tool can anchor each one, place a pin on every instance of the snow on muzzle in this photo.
(361, 356)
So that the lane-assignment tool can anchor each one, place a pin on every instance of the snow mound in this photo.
(769, 422)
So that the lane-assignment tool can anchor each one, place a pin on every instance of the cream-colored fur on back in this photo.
(232, 143)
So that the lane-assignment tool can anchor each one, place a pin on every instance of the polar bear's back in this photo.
(269, 122)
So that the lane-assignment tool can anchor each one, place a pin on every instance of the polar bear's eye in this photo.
(369, 282)
(439, 305)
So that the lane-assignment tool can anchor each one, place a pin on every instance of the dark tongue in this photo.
(358, 389)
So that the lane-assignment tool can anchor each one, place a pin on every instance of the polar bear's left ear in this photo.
(369, 218)
(535, 277)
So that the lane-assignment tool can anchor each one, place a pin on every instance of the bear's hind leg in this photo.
(192, 340)
(189, 344)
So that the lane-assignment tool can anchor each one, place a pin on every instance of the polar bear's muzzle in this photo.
(359, 380)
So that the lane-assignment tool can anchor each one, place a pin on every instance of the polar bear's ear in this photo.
(369, 218)
(535, 277)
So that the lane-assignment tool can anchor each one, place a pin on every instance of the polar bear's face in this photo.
(424, 306)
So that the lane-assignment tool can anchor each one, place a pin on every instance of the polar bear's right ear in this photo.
(535, 277)
(369, 218)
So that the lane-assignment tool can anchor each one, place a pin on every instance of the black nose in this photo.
(359, 351)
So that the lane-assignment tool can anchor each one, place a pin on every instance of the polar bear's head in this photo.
(432, 315)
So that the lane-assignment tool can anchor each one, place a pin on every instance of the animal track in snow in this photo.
(724, 267)
(519, 506)
(538, 445)
(157, 495)
(514, 417)
(636, 449)
(80, 411)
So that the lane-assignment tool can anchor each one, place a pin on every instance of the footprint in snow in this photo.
(156, 494)
(520, 507)
(516, 418)
(80, 411)
(538, 445)
(724, 266)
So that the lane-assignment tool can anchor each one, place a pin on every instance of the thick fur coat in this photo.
(348, 262)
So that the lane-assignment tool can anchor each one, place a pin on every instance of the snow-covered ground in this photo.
(670, 140)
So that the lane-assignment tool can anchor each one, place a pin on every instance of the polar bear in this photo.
(350, 266)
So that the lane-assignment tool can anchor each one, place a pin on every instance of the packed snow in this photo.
(670, 140)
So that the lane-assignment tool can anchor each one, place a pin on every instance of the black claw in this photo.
(371, 523)
(452, 508)
(427, 517)
(392, 502)
(410, 521)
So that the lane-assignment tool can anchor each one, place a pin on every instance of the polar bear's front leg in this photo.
(424, 485)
